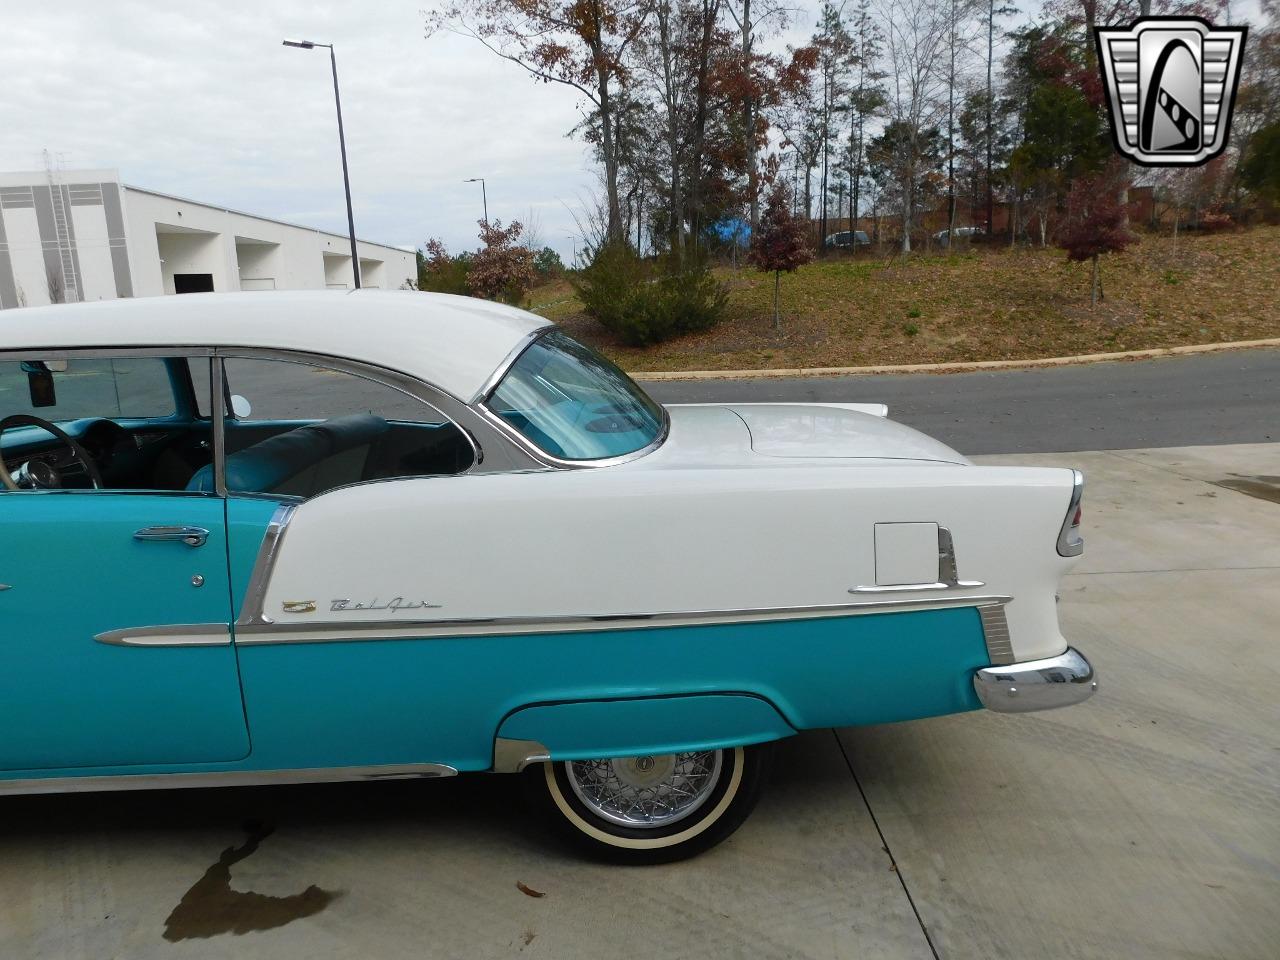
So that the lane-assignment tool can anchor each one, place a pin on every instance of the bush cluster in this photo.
(643, 302)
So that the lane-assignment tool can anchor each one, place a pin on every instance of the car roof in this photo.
(455, 343)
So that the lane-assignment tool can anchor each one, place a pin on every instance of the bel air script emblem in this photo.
(394, 605)
(1170, 85)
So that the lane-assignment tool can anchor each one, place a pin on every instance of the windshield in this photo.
(573, 403)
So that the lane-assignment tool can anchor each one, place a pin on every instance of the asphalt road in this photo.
(1229, 397)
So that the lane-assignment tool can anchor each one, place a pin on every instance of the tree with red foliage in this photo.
(502, 269)
(781, 242)
(1096, 221)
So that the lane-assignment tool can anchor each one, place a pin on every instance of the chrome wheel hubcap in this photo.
(646, 792)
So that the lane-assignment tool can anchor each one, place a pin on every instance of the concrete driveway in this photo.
(1145, 823)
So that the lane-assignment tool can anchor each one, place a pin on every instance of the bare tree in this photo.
(915, 40)
(582, 45)
(959, 19)
(751, 18)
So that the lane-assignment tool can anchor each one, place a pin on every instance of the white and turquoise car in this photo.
(282, 537)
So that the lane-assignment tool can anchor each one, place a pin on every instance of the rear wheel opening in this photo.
(650, 809)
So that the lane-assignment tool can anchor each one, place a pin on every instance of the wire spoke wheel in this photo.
(650, 809)
(649, 791)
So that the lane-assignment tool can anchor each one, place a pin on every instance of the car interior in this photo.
(143, 424)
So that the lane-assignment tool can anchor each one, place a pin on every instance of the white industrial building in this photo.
(83, 235)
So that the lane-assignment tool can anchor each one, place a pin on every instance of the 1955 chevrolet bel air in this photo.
(282, 537)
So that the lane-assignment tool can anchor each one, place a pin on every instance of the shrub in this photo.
(548, 264)
(502, 269)
(440, 273)
(645, 302)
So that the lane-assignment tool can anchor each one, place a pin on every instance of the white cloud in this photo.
(204, 102)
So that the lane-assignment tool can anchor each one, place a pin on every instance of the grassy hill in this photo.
(988, 303)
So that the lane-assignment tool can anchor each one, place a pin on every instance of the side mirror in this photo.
(240, 406)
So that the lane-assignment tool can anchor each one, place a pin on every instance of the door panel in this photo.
(74, 570)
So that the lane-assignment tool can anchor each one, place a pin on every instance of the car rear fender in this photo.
(582, 730)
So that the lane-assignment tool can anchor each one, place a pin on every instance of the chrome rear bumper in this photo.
(1036, 684)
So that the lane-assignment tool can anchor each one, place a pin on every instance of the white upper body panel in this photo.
(454, 343)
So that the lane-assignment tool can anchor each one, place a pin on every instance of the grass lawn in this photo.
(985, 304)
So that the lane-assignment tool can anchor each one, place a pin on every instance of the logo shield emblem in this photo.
(1171, 83)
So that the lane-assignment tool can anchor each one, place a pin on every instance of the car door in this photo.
(115, 608)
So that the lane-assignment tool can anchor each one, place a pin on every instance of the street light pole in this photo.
(484, 196)
(342, 147)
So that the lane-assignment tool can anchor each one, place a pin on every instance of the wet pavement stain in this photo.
(211, 907)
(1263, 487)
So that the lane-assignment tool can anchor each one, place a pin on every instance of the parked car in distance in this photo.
(294, 537)
(943, 237)
(847, 240)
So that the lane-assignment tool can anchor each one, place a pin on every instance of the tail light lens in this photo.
(1070, 543)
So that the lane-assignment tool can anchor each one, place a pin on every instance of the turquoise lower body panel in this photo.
(356, 703)
(649, 725)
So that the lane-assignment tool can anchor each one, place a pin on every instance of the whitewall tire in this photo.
(650, 809)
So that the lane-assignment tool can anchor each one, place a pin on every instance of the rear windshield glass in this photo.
(574, 404)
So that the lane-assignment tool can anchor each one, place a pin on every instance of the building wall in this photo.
(119, 241)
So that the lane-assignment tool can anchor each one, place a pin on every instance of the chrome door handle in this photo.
(191, 536)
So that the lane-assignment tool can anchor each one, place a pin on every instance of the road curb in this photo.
(950, 367)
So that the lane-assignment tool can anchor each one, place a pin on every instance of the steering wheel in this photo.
(55, 480)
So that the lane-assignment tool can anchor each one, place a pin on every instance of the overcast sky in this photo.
(202, 101)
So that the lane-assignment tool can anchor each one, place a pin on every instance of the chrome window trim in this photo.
(108, 353)
(1066, 546)
(218, 409)
(252, 612)
(111, 353)
(537, 453)
(411, 387)
(225, 778)
(480, 403)
(491, 382)
(264, 630)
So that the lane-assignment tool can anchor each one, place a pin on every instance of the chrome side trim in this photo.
(491, 383)
(995, 627)
(913, 587)
(1036, 684)
(264, 631)
(229, 778)
(512, 756)
(1067, 547)
(173, 635)
(947, 577)
(251, 610)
